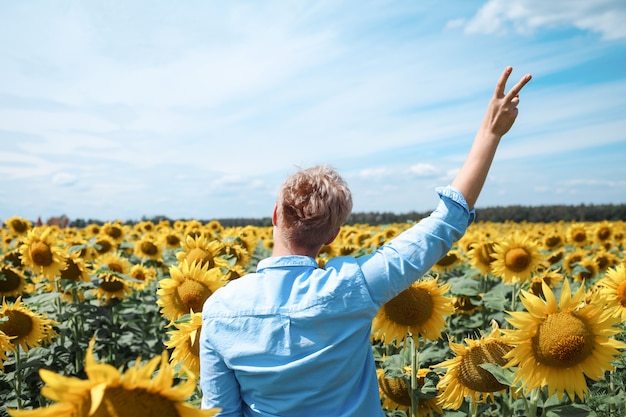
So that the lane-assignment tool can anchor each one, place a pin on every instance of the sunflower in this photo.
(553, 239)
(5, 346)
(85, 248)
(602, 234)
(463, 304)
(144, 226)
(481, 255)
(18, 226)
(105, 244)
(142, 275)
(465, 377)
(41, 254)
(587, 269)
(92, 229)
(110, 269)
(114, 262)
(12, 281)
(171, 239)
(233, 272)
(215, 227)
(234, 250)
(111, 287)
(394, 393)
(186, 342)
(148, 247)
(555, 257)
(572, 258)
(516, 258)
(188, 288)
(115, 230)
(420, 309)
(203, 251)
(76, 269)
(26, 328)
(448, 262)
(559, 344)
(577, 234)
(248, 236)
(613, 287)
(552, 277)
(605, 259)
(109, 393)
(8, 242)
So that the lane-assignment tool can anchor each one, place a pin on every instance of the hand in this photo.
(502, 110)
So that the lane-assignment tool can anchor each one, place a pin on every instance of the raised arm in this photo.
(500, 115)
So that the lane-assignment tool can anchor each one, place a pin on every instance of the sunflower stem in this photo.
(18, 376)
(514, 295)
(473, 408)
(532, 404)
(414, 368)
(611, 391)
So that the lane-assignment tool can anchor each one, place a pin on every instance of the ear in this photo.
(275, 215)
(333, 237)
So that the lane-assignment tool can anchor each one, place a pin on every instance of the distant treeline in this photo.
(514, 213)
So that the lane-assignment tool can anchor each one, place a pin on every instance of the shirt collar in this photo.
(289, 261)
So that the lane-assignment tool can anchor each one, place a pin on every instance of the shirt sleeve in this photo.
(218, 383)
(396, 265)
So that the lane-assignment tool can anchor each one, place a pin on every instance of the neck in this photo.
(283, 248)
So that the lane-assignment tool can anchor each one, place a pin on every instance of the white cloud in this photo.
(422, 169)
(601, 16)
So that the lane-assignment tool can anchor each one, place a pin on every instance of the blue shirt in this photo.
(293, 339)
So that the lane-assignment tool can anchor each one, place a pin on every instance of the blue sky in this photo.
(199, 109)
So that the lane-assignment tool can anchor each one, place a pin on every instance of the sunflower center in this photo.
(395, 389)
(149, 248)
(448, 259)
(555, 257)
(464, 303)
(604, 233)
(72, 272)
(172, 240)
(579, 236)
(115, 267)
(602, 262)
(18, 324)
(114, 231)
(112, 285)
(563, 340)
(536, 287)
(139, 275)
(201, 257)
(412, 307)
(41, 254)
(104, 246)
(476, 378)
(9, 281)
(19, 226)
(118, 401)
(553, 241)
(517, 259)
(192, 294)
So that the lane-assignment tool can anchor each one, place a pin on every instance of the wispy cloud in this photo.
(602, 16)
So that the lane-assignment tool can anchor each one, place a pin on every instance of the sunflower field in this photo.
(518, 319)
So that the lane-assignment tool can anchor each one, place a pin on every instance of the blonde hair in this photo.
(313, 204)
